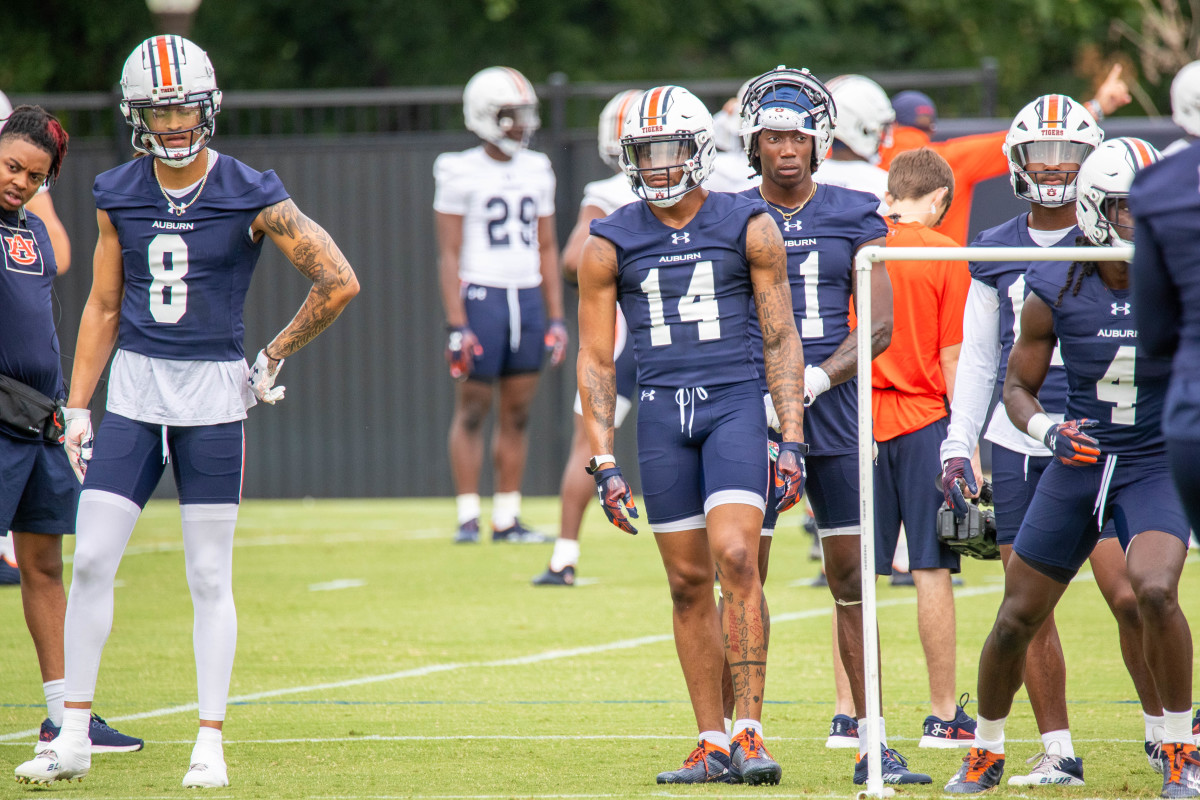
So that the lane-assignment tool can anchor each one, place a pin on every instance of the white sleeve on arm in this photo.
(978, 363)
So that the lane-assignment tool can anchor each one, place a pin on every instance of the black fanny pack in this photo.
(28, 413)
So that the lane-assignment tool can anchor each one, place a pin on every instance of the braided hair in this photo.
(1083, 268)
(38, 126)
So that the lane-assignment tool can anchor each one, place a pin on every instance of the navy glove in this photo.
(616, 498)
(789, 474)
(1070, 445)
(954, 470)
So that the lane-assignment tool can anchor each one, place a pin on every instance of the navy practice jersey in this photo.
(186, 277)
(686, 293)
(821, 240)
(1008, 279)
(1107, 380)
(28, 344)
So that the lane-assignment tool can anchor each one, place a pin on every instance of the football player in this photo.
(600, 198)
(864, 125)
(180, 232)
(1185, 106)
(501, 291)
(1108, 462)
(1047, 141)
(684, 264)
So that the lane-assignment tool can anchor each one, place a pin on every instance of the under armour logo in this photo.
(1120, 308)
(647, 394)
(789, 227)
(680, 238)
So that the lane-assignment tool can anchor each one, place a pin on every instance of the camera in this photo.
(975, 534)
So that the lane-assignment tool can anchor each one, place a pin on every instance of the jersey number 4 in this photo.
(1119, 387)
(167, 258)
(698, 305)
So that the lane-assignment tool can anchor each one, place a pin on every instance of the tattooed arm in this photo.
(314, 253)
(597, 324)
(842, 364)
(782, 351)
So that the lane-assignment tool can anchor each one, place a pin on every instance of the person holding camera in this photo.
(911, 381)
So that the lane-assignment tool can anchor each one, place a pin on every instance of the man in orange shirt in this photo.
(977, 158)
(911, 381)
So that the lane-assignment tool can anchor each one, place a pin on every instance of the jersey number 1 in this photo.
(698, 305)
(168, 261)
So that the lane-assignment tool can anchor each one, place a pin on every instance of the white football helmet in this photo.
(612, 118)
(1185, 98)
(788, 100)
(1103, 183)
(865, 115)
(169, 71)
(5, 109)
(495, 101)
(669, 128)
(1052, 130)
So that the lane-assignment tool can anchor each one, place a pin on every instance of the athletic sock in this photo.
(76, 722)
(54, 700)
(718, 739)
(742, 724)
(506, 507)
(209, 748)
(1155, 726)
(1178, 727)
(468, 507)
(1058, 743)
(862, 735)
(989, 734)
(566, 554)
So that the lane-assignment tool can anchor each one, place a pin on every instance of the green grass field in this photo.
(378, 660)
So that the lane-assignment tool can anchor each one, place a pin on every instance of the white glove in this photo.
(77, 439)
(262, 379)
(772, 417)
(816, 383)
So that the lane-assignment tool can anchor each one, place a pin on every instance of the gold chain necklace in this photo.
(787, 215)
(178, 208)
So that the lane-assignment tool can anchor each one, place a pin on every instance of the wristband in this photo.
(1039, 424)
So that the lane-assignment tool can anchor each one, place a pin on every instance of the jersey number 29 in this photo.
(167, 258)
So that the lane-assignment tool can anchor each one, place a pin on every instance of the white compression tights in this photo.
(104, 526)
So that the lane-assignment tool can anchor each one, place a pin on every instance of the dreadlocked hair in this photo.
(1083, 268)
(37, 125)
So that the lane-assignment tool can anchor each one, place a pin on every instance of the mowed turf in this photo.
(376, 660)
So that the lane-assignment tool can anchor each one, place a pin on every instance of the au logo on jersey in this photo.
(21, 254)
(681, 238)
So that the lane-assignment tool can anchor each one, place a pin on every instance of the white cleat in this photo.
(206, 775)
(58, 762)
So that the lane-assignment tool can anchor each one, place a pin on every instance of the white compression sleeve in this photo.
(208, 552)
(978, 365)
(105, 522)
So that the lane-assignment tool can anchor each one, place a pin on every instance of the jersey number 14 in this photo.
(698, 305)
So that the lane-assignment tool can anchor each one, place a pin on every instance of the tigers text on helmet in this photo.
(169, 71)
(612, 118)
(865, 115)
(1103, 183)
(788, 100)
(669, 129)
(498, 101)
(1051, 131)
(1185, 98)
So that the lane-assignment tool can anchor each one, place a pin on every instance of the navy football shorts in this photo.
(830, 489)
(1060, 530)
(511, 327)
(128, 460)
(38, 489)
(699, 448)
(906, 491)
(1014, 478)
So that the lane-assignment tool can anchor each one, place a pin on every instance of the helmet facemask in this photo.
(646, 160)
(524, 119)
(1031, 185)
(147, 137)
(788, 100)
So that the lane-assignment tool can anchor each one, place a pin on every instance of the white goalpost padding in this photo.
(863, 263)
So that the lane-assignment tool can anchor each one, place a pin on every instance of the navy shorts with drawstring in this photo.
(511, 327)
(699, 447)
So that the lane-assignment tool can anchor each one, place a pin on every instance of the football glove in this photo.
(262, 379)
(462, 348)
(816, 383)
(1071, 445)
(772, 417)
(78, 439)
(616, 498)
(556, 341)
(789, 474)
(954, 471)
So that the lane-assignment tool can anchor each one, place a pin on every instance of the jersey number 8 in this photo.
(168, 292)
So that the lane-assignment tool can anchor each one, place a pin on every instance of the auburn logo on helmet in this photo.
(20, 250)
